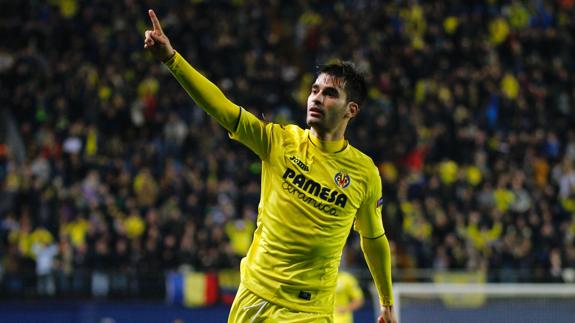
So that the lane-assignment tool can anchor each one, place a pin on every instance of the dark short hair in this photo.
(355, 84)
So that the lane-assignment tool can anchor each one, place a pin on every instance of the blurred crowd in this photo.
(107, 166)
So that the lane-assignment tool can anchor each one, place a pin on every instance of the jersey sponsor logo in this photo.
(299, 163)
(312, 187)
(324, 207)
(342, 179)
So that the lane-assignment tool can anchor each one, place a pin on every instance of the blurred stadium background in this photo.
(122, 202)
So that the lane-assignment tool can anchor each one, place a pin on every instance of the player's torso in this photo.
(309, 200)
(313, 192)
(308, 205)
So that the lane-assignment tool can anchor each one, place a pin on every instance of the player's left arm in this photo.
(378, 258)
(375, 246)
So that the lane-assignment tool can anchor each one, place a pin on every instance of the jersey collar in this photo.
(326, 146)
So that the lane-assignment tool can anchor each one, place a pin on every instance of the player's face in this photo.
(327, 106)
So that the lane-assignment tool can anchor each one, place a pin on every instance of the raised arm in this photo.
(206, 94)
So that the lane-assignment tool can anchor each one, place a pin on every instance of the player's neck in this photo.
(329, 143)
(336, 135)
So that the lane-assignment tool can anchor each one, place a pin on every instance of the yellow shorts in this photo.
(250, 308)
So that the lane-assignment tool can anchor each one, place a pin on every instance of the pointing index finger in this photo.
(155, 21)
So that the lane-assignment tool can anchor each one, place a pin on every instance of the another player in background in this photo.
(315, 186)
(348, 297)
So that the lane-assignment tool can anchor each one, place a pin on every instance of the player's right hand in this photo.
(156, 41)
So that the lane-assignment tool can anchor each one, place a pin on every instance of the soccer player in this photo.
(315, 185)
(348, 297)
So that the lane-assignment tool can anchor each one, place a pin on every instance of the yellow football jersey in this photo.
(309, 201)
(347, 290)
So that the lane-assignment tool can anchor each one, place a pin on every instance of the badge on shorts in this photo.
(304, 295)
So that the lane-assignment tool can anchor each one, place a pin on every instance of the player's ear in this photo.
(352, 109)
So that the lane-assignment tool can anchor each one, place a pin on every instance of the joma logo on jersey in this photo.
(342, 179)
(315, 188)
(299, 163)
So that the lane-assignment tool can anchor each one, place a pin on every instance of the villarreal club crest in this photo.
(342, 179)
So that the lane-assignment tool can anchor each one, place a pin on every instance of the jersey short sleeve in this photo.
(368, 221)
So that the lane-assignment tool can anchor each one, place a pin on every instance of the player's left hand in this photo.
(387, 315)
